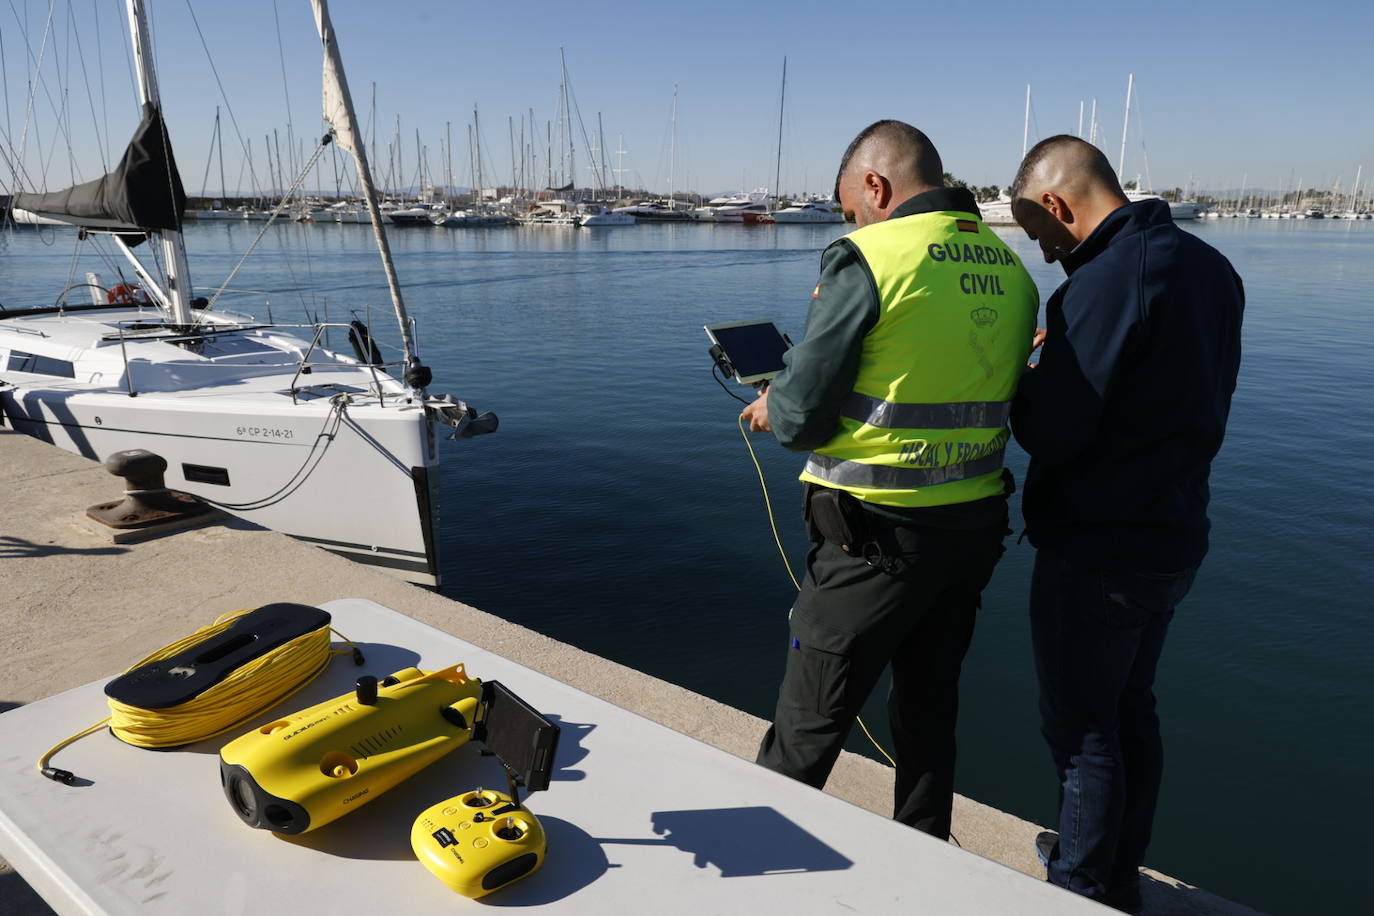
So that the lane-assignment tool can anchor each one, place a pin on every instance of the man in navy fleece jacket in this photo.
(1122, 417)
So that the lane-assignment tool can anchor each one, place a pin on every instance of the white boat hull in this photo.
(282, 467)
(807, 216)
(606, 219)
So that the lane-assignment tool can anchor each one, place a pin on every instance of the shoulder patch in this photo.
(966, 225)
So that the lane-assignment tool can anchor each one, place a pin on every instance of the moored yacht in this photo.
(809, 212)
(418, 215)
(656, 211)
(741, 209)
(595, 215)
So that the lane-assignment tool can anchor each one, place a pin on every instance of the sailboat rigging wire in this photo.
(1144, 153)
(100, 69)
(76, 252)
(281, 205)
(243, 145)
(286, 91)
(5, 80)
(37, 78)
(572, 98)
(90, 99)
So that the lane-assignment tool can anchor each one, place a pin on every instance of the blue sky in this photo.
(1224, 90)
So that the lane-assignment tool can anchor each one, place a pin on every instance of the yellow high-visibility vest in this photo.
(926, 423)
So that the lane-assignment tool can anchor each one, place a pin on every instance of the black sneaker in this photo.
(1046, 841)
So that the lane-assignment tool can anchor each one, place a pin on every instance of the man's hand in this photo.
(757, 414)
(1037, 340)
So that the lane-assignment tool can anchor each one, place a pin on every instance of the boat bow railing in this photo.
(302, 366)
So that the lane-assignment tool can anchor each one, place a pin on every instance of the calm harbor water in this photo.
(617, 508)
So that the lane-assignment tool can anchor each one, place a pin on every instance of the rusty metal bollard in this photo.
(147, 501)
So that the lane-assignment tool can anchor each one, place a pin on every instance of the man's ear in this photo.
(1057, 206)
(879, 187)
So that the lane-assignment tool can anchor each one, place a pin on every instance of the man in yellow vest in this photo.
(917, 335)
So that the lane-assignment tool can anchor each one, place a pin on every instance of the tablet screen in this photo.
(754, 349)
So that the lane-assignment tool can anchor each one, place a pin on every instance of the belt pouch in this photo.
(835, 516)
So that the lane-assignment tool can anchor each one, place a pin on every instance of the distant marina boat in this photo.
(475, 218)
(997, 212)
(222, 213)
(595, 215)
(735, 210)
(809, 212)
(1184, 209)
(419, 215)
(656, 211)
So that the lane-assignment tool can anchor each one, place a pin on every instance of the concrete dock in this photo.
(74, 608)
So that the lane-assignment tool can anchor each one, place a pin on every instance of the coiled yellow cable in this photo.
(248, 690)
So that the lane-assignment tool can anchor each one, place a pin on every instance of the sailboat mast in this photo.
(339, 114)
(477, 148)
(472, 168)
(782, 102)
(566, 126)
(1126, 126)
(173, 248)
(672, 154)
(1025, 126)
(601, 154)
(219, 145)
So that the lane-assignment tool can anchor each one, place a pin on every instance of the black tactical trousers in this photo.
(914, 611)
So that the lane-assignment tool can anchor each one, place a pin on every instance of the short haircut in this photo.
(1090, 165)
(909, 146)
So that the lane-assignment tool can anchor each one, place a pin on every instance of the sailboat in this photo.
(256, 418)
(1178, 209)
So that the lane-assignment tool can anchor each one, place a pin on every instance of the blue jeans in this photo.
(1098, 635)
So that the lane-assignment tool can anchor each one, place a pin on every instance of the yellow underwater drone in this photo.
(301, 772)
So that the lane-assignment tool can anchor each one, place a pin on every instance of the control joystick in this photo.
(479, 841)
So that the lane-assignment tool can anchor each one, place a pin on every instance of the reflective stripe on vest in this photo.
(873, 411)
(843, 473)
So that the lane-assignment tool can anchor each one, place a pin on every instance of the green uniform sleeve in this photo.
(805, 399)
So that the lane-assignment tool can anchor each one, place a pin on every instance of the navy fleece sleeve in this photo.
(1059, 404)
(804, 400)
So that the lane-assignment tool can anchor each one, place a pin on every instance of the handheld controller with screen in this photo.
(748, 351)
(483, 840)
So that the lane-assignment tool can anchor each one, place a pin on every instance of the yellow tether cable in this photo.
(248, 690)
(787, 563)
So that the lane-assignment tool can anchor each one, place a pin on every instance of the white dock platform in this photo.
(639, 818)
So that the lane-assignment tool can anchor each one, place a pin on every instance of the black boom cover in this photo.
(143, 192)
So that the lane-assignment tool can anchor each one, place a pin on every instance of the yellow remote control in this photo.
(479, 841)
